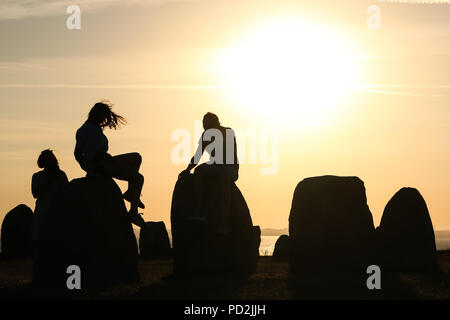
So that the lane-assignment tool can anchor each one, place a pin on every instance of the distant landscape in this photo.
(270, 235)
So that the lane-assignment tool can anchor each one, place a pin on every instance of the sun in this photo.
(289, 70)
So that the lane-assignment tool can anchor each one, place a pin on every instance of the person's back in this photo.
(91, 143)
(228, 149)
(45, 187)
(46, 184)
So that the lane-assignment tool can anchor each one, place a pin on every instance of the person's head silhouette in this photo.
(210, 121)
(47, 160)
(101, 114)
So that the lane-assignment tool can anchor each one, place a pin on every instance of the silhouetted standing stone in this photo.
(282, 249)
(16, 233)
(197, 248)
(330, 226)
(405, 237)
(89, 227)
(154, 241)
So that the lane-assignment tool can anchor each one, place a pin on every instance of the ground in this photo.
(269, 282)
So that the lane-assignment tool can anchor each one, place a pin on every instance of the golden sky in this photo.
(344, 99)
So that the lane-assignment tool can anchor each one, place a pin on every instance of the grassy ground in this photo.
(271, 282)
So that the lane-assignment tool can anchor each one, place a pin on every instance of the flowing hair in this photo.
(102, 114)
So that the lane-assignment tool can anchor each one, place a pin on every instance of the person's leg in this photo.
(126, 167)
(133, 194)
(132, 160)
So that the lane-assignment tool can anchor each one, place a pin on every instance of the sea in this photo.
(268, 242)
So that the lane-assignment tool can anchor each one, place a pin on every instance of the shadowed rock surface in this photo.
(197, 249)
(88, 226)
(405, 237)
(154, 241)
(282, 249)
(16, 233)
(330, 226)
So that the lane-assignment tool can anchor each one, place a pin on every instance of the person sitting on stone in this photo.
(91, 152)
(45, 186)
(223, 167)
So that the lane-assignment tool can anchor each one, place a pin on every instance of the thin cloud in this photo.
(112, 86)
(402, 93)
(406, 86)
(19, 66)
(367, 88)
(21, 9)
(391, 89)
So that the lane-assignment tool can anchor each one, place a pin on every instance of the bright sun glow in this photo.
(290, 69)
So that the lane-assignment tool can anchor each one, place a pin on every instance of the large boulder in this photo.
(154, 241)
(16, 234)
(197, 247)
(282, 249)
(405, 237)
(330, 226)
(87, 226)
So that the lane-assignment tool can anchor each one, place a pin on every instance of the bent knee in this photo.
(137, 158)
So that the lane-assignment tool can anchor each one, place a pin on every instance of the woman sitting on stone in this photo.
(91, 152)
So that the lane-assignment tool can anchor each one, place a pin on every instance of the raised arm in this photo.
(196, 158)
